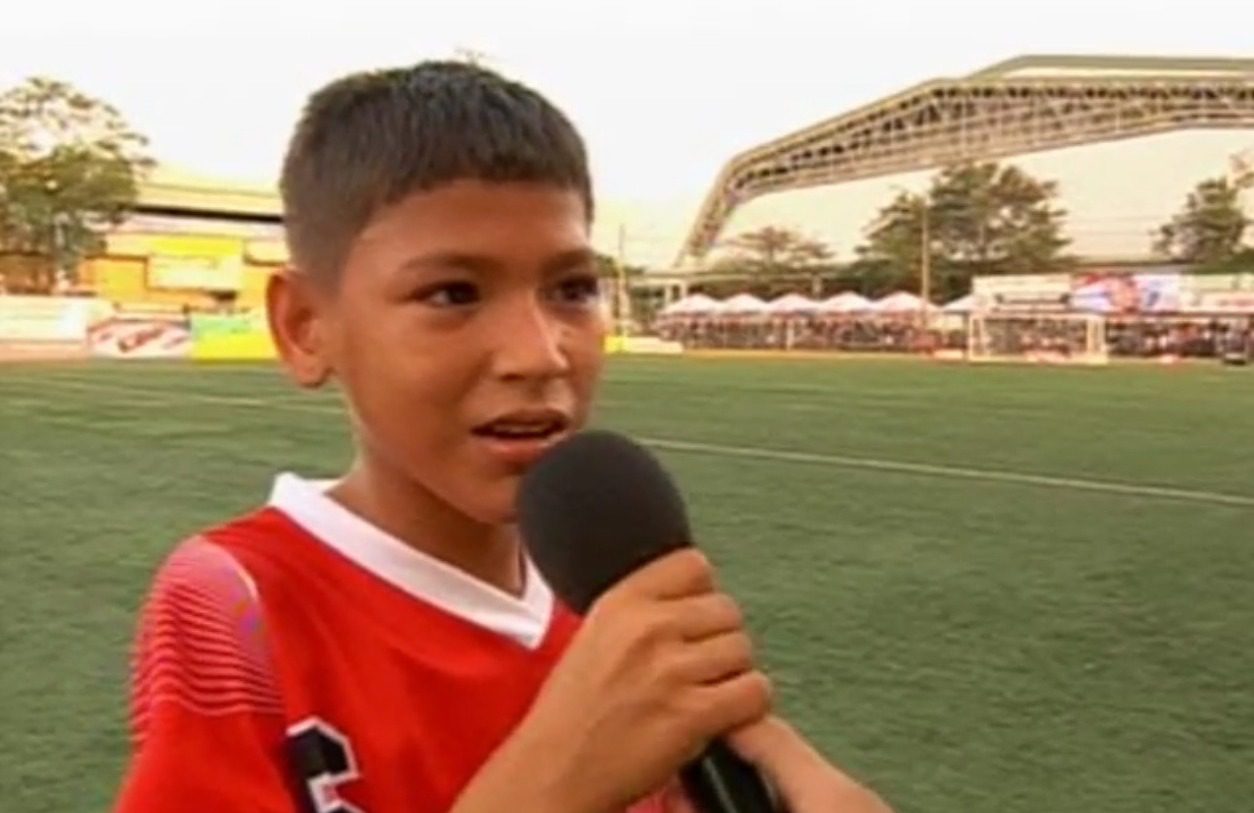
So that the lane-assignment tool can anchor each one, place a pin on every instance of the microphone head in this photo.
(593, 509)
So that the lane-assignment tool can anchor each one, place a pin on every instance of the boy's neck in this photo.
(490, 553)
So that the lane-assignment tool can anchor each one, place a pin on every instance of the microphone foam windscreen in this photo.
(595, 508)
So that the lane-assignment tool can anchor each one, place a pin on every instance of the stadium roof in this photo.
(168, 190)
(1023, 105)
(1066, 64)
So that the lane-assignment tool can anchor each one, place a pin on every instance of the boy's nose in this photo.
(529, 344)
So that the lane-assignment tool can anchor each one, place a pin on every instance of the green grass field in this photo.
(981, 589)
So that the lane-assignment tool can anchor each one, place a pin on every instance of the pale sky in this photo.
(665, 91)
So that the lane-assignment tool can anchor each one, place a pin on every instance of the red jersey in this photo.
(301, 660)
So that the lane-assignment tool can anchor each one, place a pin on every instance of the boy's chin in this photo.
(494, 504)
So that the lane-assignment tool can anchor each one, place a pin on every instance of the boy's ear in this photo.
(298, 326)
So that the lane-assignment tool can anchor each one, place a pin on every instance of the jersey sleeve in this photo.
(206, 715)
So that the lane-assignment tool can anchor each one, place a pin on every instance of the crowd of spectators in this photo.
(1187, 338)
(1140, 337)
(847, 333)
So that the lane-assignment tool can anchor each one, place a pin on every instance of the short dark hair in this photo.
(369, 139)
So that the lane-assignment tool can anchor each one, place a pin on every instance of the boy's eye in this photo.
(450, 294)
(578, 290)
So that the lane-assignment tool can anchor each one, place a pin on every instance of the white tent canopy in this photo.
(743, 304)
(965, 304)
(693, 305)
(847, 302)
(900, 302)
(792, 303)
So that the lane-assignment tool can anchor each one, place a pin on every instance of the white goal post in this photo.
(1042, 338)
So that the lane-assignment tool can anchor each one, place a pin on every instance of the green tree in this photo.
(1209, 229)
(775, 250)
(608, 267)
(992, 219)
(70, 166)
(891, 258)
(981, 219)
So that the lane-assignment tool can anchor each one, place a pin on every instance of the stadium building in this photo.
(184, 275)
(191, 241)
(1125, 139)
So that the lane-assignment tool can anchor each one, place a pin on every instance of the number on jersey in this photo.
(323, 760)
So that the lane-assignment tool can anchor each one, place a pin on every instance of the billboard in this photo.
(140, 336)
(1116, 293)
(1220, 303)
(196, 273)
(48, 318)
(232, 337)
(1022, 292)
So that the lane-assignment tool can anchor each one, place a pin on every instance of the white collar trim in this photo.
(525, 619)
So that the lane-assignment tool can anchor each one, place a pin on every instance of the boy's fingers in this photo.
(719, 657)
(707, 615)
(770, 738)
(804, 778)
(678, 574)
(733, 703)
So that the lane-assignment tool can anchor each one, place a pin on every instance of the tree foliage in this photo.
(775, 250)
(891, 259)
(1210, 227)
(70, 167)
(982, 219)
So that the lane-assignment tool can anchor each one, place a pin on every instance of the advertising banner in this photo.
(1023, 292)
(1221, 303)
(48, 318)
(141, 337)
(1118, 293)
(196, 273)
(1219, 294)
(231, 337)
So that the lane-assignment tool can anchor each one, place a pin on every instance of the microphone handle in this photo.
(721, 781)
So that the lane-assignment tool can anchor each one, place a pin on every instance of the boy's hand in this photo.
(807, 783)
(661, 666)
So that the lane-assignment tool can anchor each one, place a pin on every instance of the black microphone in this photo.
(592, 510)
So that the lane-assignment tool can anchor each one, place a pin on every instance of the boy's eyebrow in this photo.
(452, 260)
(570, 259)
(484, 264)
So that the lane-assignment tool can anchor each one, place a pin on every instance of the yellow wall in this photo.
(123, 275)
(175, 245)
(167, 269)
(117, 279)
(253, 292)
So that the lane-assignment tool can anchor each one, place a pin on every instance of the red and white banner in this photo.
(1220, 303)
(48, 318)
(140, 338)
(1117, 293)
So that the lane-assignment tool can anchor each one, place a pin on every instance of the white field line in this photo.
(1145, 491)
(138, 396)
(955, 472)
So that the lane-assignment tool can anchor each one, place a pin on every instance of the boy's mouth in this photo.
(519, 439)
(525, 425)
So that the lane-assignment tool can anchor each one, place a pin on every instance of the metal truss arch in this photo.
(1024, 105)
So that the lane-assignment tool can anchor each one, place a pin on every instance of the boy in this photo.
(381, 644)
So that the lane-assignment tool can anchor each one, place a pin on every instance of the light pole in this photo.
(925, 252)
(1241, 169)
(624, 289)
(925, 262)
(61, 271)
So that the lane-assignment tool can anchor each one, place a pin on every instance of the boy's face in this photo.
(468, 336)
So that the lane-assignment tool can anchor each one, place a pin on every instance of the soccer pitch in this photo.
(992, 589)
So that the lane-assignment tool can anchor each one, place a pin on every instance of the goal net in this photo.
(1039, 338)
